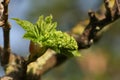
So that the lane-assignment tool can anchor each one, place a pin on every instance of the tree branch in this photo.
(97, 24)
(16, 69)
(88, 37)
(6, 32)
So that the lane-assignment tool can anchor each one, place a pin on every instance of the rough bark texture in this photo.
(16, 67)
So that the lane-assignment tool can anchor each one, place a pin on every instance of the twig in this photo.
(96, 25)
(6, 32)
(14, 66)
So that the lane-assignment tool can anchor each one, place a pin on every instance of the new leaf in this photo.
(45, 34)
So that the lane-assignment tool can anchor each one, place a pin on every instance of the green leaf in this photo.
(45, 34)
(26, 25)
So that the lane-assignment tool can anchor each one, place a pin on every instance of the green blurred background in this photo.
(100, 62)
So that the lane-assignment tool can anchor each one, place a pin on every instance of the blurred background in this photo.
(100, 62)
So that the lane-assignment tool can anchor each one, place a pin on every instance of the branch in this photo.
(43, 64)
(85, 40)
(16, 69)
(97, 24)
(6, 31)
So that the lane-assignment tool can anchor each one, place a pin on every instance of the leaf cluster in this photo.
(45, 34)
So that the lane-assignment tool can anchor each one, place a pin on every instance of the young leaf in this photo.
(45, 34)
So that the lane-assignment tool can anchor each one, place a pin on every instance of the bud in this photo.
(35, 51)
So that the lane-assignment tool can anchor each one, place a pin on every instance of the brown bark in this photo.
(6, 33)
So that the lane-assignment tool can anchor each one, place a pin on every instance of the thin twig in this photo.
(6, 34)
